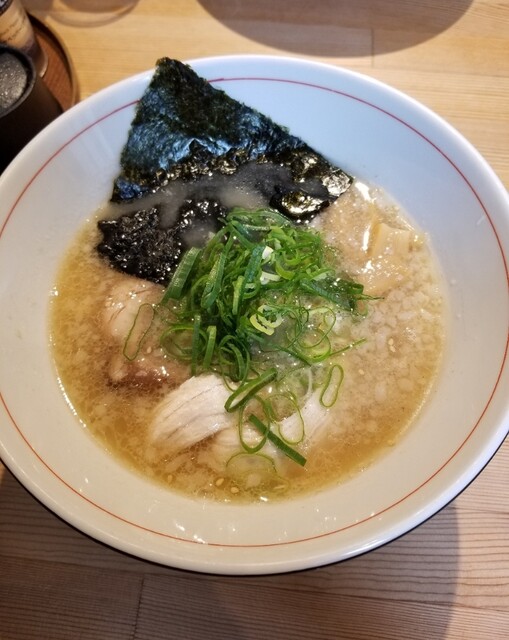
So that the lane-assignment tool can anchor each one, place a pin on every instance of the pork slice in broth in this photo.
(123, 303)
(124, 309)
(313, 415)
(189, 414)
(312, 418)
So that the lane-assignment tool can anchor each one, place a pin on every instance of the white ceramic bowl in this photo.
(375, 133)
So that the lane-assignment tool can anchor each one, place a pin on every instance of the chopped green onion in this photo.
(259, 299)
(237, 288)
(242, 464)
(176, 340)
(332, 385)
(209, 349)
(252, 269)
(276, 440)
(340, 292)
(215, 277)
(179, 280)
(247, 447)
(247, 390)
(138, 332)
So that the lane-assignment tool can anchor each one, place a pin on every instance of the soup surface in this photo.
(388, 372)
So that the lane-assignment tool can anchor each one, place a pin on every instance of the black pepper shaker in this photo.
(26, 103)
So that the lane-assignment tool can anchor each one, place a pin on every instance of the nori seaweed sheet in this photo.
(137, 243)
(184, 129)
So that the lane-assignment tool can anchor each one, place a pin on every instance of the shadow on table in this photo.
(349, 28)
(54, 578)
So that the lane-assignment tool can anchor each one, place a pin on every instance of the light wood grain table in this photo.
(448, 579)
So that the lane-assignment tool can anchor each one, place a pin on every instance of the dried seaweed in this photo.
(138, 244)
(187, 131)
(185, 128)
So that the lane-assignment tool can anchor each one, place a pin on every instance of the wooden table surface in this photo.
(447, 579)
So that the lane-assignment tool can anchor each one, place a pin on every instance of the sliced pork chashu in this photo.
(189, 414)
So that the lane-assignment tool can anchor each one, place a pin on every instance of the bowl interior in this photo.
(378, 135)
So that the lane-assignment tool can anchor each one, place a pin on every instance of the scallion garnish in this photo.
(138, 331)
(276, 440)
(181, 275)
(333, 383)
(246, 391)
(264, 294)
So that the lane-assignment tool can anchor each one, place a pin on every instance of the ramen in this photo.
(129, 369)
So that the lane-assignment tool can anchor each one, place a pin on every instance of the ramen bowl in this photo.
(376, 134)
